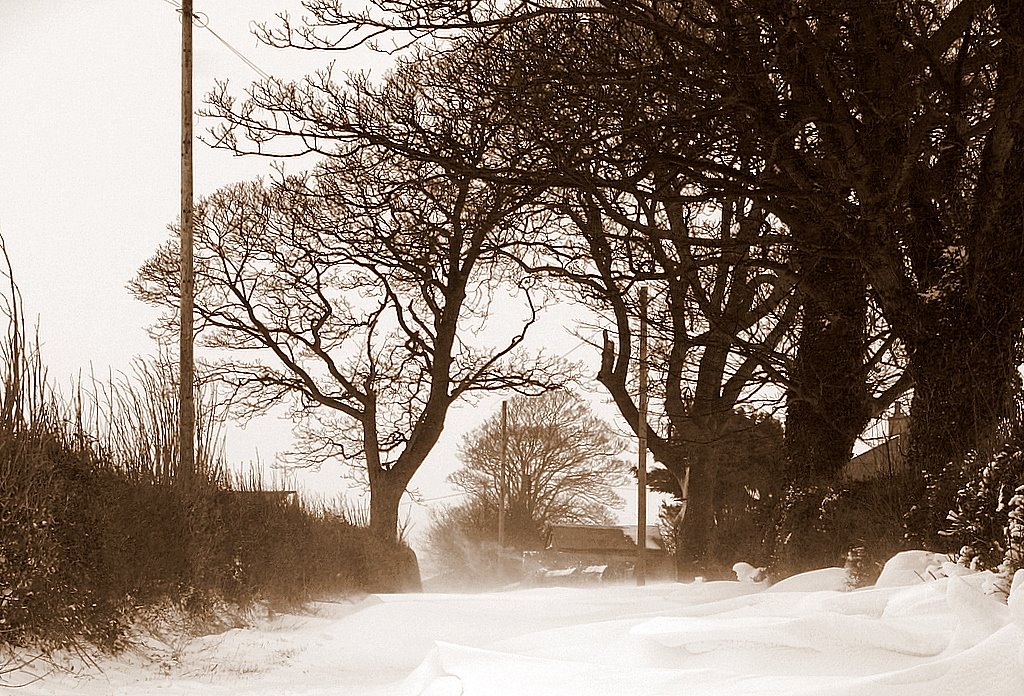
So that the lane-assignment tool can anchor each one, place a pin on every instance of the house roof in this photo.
(881, 460)
(594, 538)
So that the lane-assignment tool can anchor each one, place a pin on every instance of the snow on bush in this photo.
(988, 519)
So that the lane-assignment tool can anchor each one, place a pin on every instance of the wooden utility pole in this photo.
(502, 492)
(186, 363)
(641, 468)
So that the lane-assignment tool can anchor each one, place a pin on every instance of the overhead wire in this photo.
(202, 20)
(420, 501)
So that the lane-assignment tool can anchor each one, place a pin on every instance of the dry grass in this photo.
(97, 527)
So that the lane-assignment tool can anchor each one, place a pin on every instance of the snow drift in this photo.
(925, 629)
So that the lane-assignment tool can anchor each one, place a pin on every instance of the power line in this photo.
(587, 341)
(202, 20)
(259, 71)
(421, 501)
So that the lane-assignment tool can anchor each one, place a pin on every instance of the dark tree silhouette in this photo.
(896, 129)
(887, 137)
(362, 288)
(749, 484)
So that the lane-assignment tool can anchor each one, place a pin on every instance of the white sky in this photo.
(89, 178)
(90, 173)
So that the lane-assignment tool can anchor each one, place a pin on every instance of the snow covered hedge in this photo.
(988, 518)
(85, 551)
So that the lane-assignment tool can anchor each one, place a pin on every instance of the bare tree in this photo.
(895, 129)
(362, 289)
(562, 466)
(723, 310)
(887, 137)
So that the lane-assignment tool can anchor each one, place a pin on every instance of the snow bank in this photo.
(911, 568)
(824, 580)
(916, 633)
(924, 629)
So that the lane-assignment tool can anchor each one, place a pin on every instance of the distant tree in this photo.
(561, 467)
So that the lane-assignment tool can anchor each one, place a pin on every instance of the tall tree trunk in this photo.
(393, 567)
(965, 351)
(698, 523)
(828, 402)
(385, 495)
(965, 380)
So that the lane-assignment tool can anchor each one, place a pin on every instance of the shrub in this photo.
(987, 520)
(97, 528)
(84, 549)
(857, 523)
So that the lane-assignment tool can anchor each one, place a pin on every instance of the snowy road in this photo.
(799, 637)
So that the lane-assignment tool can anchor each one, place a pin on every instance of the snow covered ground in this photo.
(905, 636)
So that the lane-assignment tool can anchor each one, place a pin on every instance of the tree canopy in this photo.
(823, 194)
(359, 290)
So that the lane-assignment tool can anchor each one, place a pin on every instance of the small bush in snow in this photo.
(94, 534)
(988, 515)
